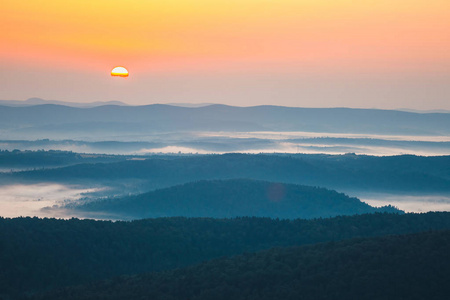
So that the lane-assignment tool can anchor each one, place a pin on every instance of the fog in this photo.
(409, 203)
(48, 200)
(30, 200)
(246, 142)
(303, 134)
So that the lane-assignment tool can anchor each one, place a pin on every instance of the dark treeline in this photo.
(40, 254)
(405, 144)
(394, 267)
(51, 158)
(232, 198)
(18, 158)
(232, 144)
(392, 173)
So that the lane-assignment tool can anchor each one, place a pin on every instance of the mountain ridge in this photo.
(38, 101)
(29, 122)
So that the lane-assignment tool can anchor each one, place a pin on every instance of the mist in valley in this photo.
(256, 150)
(40, 200)
(243, 142)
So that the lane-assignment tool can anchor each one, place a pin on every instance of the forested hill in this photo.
(396, 267)
(38, 254)
(53, 158)
(391, 173)
(233, 198)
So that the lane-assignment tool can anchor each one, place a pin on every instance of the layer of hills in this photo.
(39, 101)
(232, 198)
(198, 143)
(41, 254)
(212, 257)
(406, 173)
(53, 120)
(396, 267)
(49, 159)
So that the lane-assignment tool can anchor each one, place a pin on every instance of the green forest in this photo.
(359, 172)
(51, 158)
(232, 198)
(38, 255)
(413, 266)
(232, 226)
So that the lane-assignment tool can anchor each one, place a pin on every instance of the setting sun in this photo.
(119, 71)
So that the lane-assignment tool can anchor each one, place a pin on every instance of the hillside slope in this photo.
(356, 172)
(39, 254)
(395, 267)
(233, 198)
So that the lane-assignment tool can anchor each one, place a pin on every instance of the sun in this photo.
(119, 71)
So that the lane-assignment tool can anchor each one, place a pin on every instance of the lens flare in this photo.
(119, 71)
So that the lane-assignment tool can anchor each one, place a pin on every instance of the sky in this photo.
(308, 53)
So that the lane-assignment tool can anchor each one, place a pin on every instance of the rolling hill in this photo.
(395, 267)
(41, 254)
(232, 198)
(414, 174)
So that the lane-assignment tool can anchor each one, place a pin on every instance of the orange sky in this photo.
(182, 36)
(142, 33)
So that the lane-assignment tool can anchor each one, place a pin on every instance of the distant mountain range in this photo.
(58, 121)
(39, 101)
(191, 104)
(424, 111)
